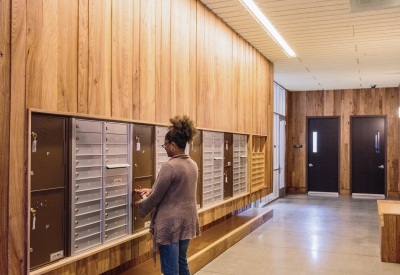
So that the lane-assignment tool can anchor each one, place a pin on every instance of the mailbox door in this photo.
(48, 189)
(143, 168)
(195, 154)
(228, 160)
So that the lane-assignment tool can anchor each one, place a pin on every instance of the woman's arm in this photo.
(160, 188)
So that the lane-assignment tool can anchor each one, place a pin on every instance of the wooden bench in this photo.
(212, 242)
(389, 231)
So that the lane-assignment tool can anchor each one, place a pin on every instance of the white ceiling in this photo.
(335, 48)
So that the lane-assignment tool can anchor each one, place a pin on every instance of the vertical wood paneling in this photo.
(193, 60)
(83, 56)
(147, 60)
(391, 109)
(219, 76)
(201, 64)
(99, 95)
(163, 61)
(234, 70)
(67, 54)
(180, 75)
(5, 100)
(122, 58)
(136, 59)
(17, 214)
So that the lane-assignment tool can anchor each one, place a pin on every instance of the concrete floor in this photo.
(309, 235)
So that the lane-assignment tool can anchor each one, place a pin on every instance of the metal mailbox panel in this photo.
(92, 126)
(116, 139)
(112, 234)
(88, 149)
(88, 138)
(88, 172)
(207, 135)
(82, 220)
(115, 222)
(87, 243)
(116, 172)
(89, 195)
(50, 154)
(117, 190)
(48, 225)
(145, 182)
(142, 157)
(116, 128)
(87, 207)
(87, 230)
(116, 149)
(88, 161)
(116, 201)
(81, 185)
(115, 212)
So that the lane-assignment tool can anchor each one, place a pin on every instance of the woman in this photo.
(173, 198)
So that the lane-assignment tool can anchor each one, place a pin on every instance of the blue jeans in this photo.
(173, 258)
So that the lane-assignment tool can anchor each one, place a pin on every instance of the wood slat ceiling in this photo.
(336, 48)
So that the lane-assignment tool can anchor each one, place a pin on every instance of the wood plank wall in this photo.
(144, 60)
(343, 103)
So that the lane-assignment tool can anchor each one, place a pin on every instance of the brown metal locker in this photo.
(49, 158)
(228, 160)
(143, 167)
(195, 154)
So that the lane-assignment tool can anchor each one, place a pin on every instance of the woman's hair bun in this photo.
(182, 130)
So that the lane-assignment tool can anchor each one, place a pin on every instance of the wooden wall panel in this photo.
(136, 59)
(5, 100)
(193, 60)
(41, 74)
(99, 94)
(67, 56)
(343, 103)
(122, 58)
(180, 72)
(83, 56)
(17, 238)
(163, 61)
(147, 61)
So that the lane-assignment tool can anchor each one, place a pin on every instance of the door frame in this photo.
(306, 147)
(351, 157)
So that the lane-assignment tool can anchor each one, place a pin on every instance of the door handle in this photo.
(310, 165)
(381, 166)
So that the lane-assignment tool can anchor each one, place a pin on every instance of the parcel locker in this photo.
(195, 154)
(117, 180)
(49, 177)
(143, 168)
(228, 160)
(87, 194)
(213, 167)
(239, 164)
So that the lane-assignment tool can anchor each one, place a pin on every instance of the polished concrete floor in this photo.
(309, 235)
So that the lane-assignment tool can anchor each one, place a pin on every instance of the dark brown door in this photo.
(48, 189)
(143, 169)
(323, 154)
(368, 150)
(228, 160)
(195, 154)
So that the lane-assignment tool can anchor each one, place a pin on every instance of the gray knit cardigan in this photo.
(173, 199)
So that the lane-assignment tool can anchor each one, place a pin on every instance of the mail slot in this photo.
(116, 149)
(228, 165)
(88, 195)
(114, 212)
(88, 172)
(85, 138)
(88, 161)
(81, 185)
(87, 230)
(116, 128)
(116, 139)
(88, 126)
(85, 219)
(88, 149)
(114, 233)
(87, 243)
(48, 197)
(115, 222)
(86, 207)
(116, 201)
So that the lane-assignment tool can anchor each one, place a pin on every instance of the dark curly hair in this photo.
(181, 131)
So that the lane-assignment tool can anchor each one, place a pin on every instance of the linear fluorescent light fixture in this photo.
(260, 17)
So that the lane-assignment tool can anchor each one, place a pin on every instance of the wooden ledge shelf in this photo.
(212, 242)
(389, 230)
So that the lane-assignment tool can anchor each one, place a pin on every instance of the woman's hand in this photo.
(143, 193)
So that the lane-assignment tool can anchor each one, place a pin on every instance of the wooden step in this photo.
(212, 242)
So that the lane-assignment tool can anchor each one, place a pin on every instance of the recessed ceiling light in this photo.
(263, 20)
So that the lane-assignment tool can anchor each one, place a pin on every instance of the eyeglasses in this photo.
(163, 146)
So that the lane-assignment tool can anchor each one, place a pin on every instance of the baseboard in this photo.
(367, 196)
(323, 194)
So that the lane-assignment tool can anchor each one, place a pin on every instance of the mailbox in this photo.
(49, 177)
